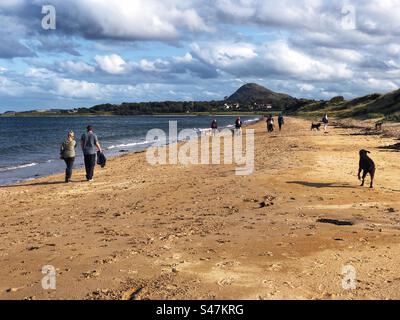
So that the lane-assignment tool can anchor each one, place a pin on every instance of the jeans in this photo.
(90, 163)
(68, 172)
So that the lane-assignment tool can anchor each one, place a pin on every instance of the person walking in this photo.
(67, 153)
(90, 145)
(214, 127)
(270, 123)
(238, 126)
(281, 121)
(325, 121)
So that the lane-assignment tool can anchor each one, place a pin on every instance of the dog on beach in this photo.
(378, 126)
(367, 165)
(316, 126)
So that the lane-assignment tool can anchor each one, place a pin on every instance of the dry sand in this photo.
(198, 232)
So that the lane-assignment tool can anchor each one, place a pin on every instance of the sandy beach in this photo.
(201, 232)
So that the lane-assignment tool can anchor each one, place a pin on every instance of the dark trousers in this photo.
(90, 163)
(70, 164)
(280, 126)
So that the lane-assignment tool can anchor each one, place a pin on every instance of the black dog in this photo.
(366, 165)
(315, 126)
(378, 126)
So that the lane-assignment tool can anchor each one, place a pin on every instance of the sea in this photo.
(30, 146)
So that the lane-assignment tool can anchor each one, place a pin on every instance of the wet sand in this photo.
(201, 232)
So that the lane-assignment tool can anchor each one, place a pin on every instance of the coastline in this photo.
(201, 232)
(114, 154)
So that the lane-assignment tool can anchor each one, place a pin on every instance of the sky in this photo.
(103, 51)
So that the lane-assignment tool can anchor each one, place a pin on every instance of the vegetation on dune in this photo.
(373, 106)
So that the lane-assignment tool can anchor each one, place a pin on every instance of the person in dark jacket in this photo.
(238, 126)
(325, 121)
(214, 127)
(281, 121)
(67, 153)
(90, 145)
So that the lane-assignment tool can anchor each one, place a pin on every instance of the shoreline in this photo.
(221, 114)
(116, 154)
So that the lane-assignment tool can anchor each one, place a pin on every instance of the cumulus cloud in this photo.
(112, 64)
(194, 48)
(129, 19)
(76, 66)
(274, 59)
(76, 89)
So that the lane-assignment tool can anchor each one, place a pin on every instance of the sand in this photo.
(199, 231)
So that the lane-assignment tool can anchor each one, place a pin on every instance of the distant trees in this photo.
(141, 108)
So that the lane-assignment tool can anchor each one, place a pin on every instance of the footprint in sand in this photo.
(91, 274)
(274, 267)
(226, 281)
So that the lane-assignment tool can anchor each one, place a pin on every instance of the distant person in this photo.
(214, 127)
(238, 125)
(270, 123)
(67, 153)
(281, 121)
(90, 145)
(325, 121)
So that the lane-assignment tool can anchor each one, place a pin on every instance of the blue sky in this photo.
(146, 50)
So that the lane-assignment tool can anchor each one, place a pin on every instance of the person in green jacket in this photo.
(68, 155)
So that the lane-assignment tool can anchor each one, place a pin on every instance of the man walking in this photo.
(90, 145)
(281, 121)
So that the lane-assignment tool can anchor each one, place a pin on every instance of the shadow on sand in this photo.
(394, 147)
(38, 184)
(321, 185)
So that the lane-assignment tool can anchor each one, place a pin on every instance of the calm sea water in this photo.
(29, 147)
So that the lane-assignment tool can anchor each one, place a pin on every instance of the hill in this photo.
(370, 106)
(252, 93)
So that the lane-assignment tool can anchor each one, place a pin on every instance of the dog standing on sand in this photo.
(378, 126)
(316, 126)
(367, 165)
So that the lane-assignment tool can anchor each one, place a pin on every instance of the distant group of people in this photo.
(271, 122)
(238, 126)
(90, 147)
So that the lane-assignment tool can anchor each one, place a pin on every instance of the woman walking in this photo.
(68, 154)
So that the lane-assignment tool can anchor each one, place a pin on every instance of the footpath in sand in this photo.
(199, 232)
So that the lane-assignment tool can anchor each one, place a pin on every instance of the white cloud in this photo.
(224, 55)
(9, 87)
(133, 19)
(112, 64)
(304, 87)
(289, 61)
(76, 89)
(275, 58)
(76, 66)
